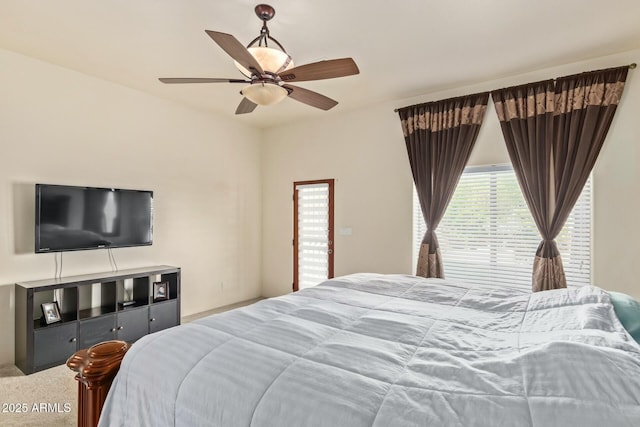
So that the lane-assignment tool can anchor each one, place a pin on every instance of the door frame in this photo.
(331, 243)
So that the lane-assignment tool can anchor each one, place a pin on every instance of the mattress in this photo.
(388, 350)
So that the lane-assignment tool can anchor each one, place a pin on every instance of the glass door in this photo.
(313, 246)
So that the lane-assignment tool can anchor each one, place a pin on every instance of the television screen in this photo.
(74, 218)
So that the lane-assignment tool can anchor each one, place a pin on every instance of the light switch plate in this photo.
(345, 231)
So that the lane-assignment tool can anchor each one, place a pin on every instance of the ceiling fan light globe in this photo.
(264, 93)
(270, 59)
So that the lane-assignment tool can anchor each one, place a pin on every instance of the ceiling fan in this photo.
(268, 70)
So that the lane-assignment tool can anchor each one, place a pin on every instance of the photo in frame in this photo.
(51, 312)
(160, 291)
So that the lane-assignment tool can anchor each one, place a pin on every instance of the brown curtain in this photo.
(439, 137)
(554, 132)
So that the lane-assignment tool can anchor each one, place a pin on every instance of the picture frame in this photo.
(160, 291)
(51, 312)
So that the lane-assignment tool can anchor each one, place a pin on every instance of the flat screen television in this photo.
(70, 218)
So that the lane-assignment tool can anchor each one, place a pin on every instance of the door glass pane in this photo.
(313, 234)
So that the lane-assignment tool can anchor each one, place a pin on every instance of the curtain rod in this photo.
(631, 66)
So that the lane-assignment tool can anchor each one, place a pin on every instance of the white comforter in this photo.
(388, 350)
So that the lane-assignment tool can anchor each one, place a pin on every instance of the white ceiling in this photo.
(403, 48)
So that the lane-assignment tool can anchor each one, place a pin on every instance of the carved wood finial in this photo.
(96, 368)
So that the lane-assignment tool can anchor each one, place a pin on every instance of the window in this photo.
(487, 235)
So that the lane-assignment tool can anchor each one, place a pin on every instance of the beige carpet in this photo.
(49, 397)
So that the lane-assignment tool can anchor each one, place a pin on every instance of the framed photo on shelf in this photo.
(160, 291)
(51, 312)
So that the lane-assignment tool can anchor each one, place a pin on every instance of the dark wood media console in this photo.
(93, 308)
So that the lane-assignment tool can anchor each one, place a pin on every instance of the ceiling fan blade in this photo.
(236, 50)
(201, 80)
(245, 106)
(310, 97)
(321, 70)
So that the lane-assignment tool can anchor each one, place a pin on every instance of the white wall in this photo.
(365, 152)
(361, 155)
(60, 126)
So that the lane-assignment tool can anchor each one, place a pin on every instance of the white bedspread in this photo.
(388, 350)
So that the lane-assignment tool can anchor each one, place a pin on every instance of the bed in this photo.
(388, 350)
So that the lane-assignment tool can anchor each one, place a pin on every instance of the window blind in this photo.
(313, 229)
(487, 235)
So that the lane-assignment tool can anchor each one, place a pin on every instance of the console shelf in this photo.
(93, 308)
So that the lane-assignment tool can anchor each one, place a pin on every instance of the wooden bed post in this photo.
(96, 368)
